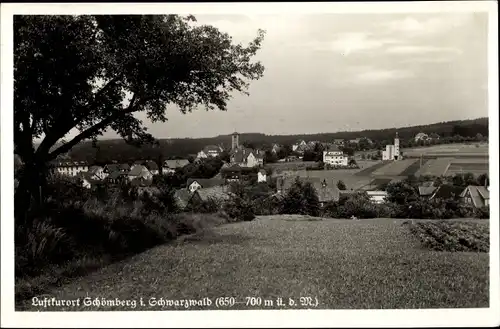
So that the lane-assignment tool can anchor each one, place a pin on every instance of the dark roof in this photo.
(87, 175)
(447, 191)
(116, 174)
(112, 167)
(151, 165)
(136, 170)
(232, 168)
(332, 148)
(426, 190)
(124, 166)
(206, 182)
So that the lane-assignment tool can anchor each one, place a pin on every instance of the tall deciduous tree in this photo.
(92, 73)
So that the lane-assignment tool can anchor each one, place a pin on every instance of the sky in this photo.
(338, 72)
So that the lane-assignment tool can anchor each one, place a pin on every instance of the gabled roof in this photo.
(151, 165)
(478, 194)
(116, 174)
(112, 167)
(124, 166)
(332, 148)
(94, 169)
(447, 191)
(263, 172)
(426, 190)
(206, 182)
(174, 164)
(137, 170)
(87, 176)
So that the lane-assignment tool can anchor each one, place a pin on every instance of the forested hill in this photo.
(181, 147)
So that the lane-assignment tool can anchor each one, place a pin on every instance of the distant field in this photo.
(297, 165)
(414, 168)
(457, 150)
(341, 264)
(394, 168)
(368, 170)
(434, 167)
(474, 168)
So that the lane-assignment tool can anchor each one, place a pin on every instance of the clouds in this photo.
(423, 26)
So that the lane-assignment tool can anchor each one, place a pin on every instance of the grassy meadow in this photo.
(341, 264)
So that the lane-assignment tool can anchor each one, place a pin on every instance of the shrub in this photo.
(239, 209)
(482, 213)
(301, 199)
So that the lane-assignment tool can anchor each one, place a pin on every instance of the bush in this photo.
(482, 213)
(239, 209)
(301, 199)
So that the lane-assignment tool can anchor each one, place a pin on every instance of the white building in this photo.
(421, 136)
(70, 168)
(335, 157)
(261, 176)
(392, 151)
(377, 196)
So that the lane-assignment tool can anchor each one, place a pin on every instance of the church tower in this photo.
(396, 148)
(235, 141)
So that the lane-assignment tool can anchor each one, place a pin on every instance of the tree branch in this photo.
(95, 128)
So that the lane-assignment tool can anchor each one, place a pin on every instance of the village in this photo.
(247, 162)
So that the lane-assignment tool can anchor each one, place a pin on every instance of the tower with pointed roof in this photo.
(396, 147)
(235, 141)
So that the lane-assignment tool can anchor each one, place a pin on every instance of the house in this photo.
(194, 184)
(88, 180)
(377, 196)
(426, 191)
(152, 167)
(477, 196)
(255, 159)
(335, 157)
(231, 173)
(170, 166)
(300, 145)
(262, 176)
(247, 157)
(210, 151)
(139, 171)
(116, 177)
(70, 168)
(447, 192)
(185, 199)
(125, 168)
(421, 137)
(392, 151)
(275, 148)
(109, 168)
(97, 173)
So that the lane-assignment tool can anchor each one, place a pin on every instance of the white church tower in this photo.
(396, 148)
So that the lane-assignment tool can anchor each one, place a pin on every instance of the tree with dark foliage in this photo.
(93, 73)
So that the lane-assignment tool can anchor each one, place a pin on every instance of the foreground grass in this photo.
(366, 264)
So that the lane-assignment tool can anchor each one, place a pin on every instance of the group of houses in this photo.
(139, 173)
(476, 196)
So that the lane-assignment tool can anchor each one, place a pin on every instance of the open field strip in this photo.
(394, 168)
(434, 167)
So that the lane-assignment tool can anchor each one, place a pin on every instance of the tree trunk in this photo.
(29, 195)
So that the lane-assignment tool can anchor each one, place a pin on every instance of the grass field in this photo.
(448, 149)
(394, 168)
(434, 167)
(341, 264)
(368, 170)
